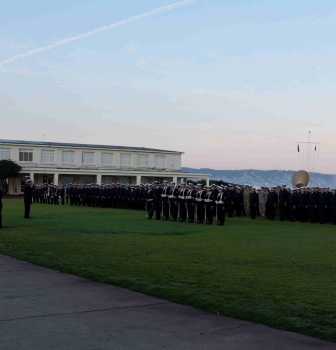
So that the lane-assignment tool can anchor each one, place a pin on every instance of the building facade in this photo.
(65, 163)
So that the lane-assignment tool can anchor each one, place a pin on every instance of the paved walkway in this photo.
(46, 309)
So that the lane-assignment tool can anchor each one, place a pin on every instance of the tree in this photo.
(8, 169)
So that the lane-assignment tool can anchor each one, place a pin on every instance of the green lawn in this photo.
(277, 273)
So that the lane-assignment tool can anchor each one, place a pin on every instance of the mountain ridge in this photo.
(259, 178)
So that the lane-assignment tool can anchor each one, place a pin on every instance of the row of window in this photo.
(88, 158)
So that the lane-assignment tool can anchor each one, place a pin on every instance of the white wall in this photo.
(173, 161)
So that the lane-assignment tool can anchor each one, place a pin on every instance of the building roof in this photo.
(83, 145)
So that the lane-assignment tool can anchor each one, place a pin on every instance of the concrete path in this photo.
(46, 309)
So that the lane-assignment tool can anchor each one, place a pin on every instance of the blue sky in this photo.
(233, 84)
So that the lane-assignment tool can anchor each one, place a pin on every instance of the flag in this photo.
(298, 148)
(315, 147)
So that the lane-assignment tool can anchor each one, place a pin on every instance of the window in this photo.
(125, 159)
(24, 179)
(68, 157)
(88, 179)
(48, 179)
(142, 160)
(25, 155)
(125, 180)
(47, 156)
(106, 158)
(68, 179)
(106, 180)
(160, 161)
(88, 158)
(4, 153)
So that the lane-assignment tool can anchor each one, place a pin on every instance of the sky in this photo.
(234, 84)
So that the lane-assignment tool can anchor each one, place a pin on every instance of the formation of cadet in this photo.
(198, 204)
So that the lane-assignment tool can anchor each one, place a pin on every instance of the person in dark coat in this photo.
(209, 203)
(182, 206)
(292, 203)
(303, 204)
(173, 197)
(190, 202)
(253, 203)
(333, 206)
(313, 205)
(199, 200)
(272, 203)
(157, 200)
(283, 198)
(0, 207)
(28, 197)
(165, 202)
(149, 201)
(239, 202)
(322, 206)
(230, 196)
(328, 210)
(220, 206)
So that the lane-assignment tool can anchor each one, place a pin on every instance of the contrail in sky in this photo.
(95, 31)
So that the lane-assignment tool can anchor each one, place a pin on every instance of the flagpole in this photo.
(308, 149)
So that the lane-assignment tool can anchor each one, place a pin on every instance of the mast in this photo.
(308, 160)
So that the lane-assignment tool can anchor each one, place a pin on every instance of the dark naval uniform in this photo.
(190, 202)
(173, 196)
(313, 205)
(199, 200)
(283, 195)
(322, 207)
(209, 201)
(157, 202)
(272, 203)
(28, 198)
(182, 204)
(292, 203)
(333, 207)
(149, 203)
(0, 208)
(165, 203)
(220, 208)
(253, 204)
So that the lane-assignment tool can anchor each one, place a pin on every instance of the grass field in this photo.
(277, 273)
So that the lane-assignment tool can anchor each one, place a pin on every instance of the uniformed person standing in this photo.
(157, 200)
(173, 196)
(272, 200)
(1, 207)
(303, 204)
(190, 203)
(253, 203)
(165, 203)
(199, 200)
(239, 202)
(28, 197)
(322, 206)
(209, 201)
(231, 196)
(333, 206)
(182, 206)
(246, 197)
(283, 202)
(149, 202)
(328, 211)
(292, 203)
(262, 202)
(220, 206)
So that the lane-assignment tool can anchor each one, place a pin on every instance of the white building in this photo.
(64, 163)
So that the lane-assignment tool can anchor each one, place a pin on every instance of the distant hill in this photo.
(263, 177)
